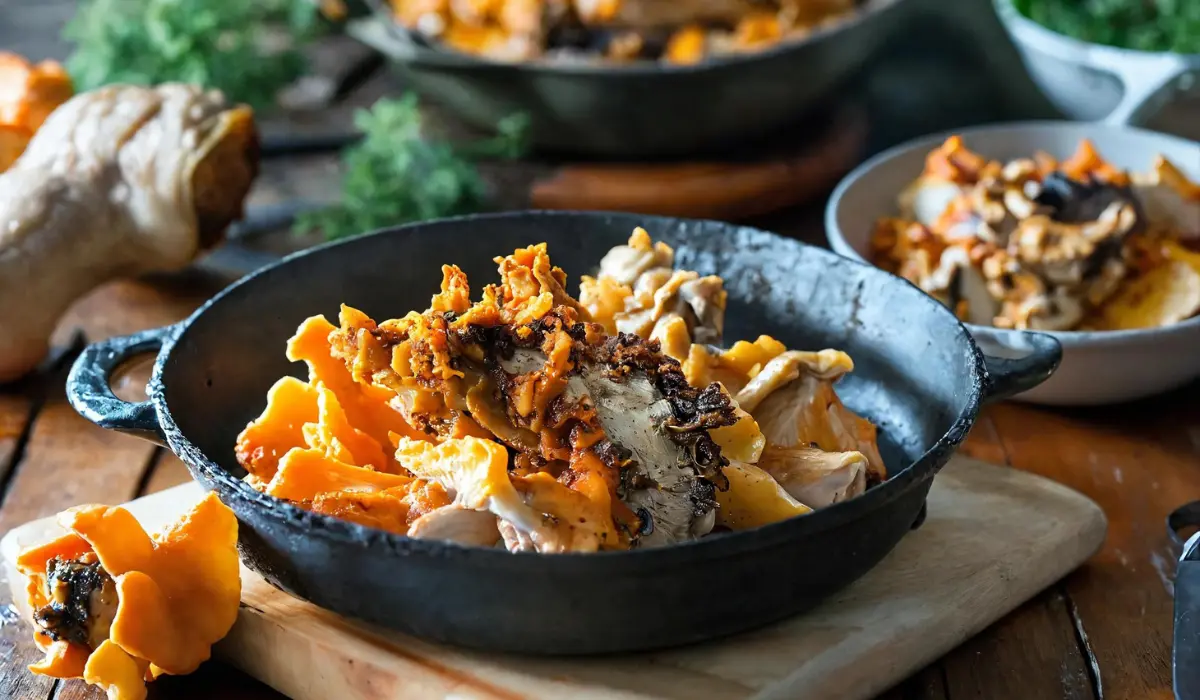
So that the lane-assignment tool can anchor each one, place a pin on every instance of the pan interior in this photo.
(914, 368)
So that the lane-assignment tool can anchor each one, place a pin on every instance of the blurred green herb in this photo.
(1143, 25)
(397, 175)
(214, 43)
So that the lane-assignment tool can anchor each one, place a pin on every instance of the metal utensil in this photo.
(1186, 661)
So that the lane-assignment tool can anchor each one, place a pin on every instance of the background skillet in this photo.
(645, 109)
(918, 375)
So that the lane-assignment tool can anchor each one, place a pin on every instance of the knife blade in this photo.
(1186, 654)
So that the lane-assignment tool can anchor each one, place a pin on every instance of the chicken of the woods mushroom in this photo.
(541, 422)
(1038, 244)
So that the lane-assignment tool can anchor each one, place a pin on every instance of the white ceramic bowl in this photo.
(1097, 367)
(1104, 83)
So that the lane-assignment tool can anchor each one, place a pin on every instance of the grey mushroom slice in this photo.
(971, 286)
(814, 477)
(625, 264)
(926, 198)
(457, 524)
(1063, 312)
(632, 413)
(786, 368)
(515, 539)
(705, 298)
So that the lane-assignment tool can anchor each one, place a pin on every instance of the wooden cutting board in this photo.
(994, 537)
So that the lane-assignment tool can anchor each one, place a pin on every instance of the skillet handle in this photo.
(1017, 361)
(90, 393)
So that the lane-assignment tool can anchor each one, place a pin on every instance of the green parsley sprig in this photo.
(215, 43)
(1143, 25)
(397, 174)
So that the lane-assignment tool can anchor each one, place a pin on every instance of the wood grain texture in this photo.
(1122, 602)
(994, 538)
(1033, 653)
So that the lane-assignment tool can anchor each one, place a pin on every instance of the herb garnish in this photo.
(398, 175)
(1143, 25)
(215, 43)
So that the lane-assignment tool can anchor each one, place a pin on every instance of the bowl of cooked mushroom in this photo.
(1088, 232)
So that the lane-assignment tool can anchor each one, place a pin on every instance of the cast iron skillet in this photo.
(917, 374)
(646, 110)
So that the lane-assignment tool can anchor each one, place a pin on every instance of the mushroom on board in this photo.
(119, 181)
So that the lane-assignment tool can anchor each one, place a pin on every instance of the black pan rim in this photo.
(307, 523)
(869, 11)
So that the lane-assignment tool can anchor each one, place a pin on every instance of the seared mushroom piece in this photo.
(969, 296)
(826, 364)
(960, 286)
(1167, 294)
(815, 477)
(457, 524)
(666, 479)
(807, 412)
(659, 294)
(1169, 198)
(1071, 253)
(927, 197)
(1073, 201)
(626, 263)
(705, 297)
(1061, 312)
(699, 301)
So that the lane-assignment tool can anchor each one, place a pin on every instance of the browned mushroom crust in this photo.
(547, 389)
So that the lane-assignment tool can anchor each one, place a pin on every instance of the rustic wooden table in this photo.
(1103, 632)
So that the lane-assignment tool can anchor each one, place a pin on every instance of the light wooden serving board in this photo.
(994, 537)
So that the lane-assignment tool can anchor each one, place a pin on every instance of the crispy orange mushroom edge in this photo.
(177, 594)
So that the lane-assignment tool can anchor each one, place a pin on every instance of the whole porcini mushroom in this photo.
(119, 181)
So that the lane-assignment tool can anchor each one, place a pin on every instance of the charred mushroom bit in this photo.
(1038, 244)
(82, 601)
(118, 608)
(535, 421)
(671, 31)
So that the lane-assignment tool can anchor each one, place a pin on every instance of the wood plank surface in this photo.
(1122, 603)
(993, 538)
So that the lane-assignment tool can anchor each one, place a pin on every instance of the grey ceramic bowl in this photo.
(1097, 367)
(1092, 82)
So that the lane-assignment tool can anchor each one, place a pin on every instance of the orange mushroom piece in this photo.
(28, 94)
(116, 607)
(1087, 163)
